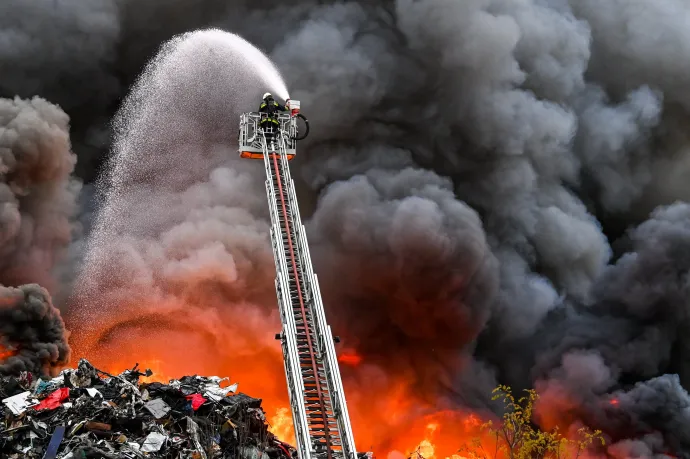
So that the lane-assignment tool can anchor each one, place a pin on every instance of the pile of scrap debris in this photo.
(88, 413)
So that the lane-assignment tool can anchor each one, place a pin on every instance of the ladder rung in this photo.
(322, 421)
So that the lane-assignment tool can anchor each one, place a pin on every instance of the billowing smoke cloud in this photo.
(37, 194)
(33, 330)
(37, 204)
(400, 252)
(501, 98)
(66, 53)
(631, 331)
(468, 167)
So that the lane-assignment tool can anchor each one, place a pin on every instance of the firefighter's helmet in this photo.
(268, 95)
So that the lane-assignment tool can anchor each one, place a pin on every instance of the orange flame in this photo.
(441, 436)
(281, 425)
(6, 353)
(185, 341)
(350, 358)
(388, 414)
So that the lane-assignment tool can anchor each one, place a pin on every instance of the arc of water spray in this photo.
(159, 84)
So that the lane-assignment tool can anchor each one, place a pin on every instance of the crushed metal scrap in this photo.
(88, 413)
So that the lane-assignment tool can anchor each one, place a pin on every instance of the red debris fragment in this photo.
(197, 400)
(54, 400)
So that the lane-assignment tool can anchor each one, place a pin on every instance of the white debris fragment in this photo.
(20, 402)
(153, 443)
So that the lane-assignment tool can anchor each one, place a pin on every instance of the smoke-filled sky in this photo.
(494, 190)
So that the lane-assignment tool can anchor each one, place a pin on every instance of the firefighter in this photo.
(270, 107)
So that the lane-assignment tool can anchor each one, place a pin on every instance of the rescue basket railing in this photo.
(251, 138)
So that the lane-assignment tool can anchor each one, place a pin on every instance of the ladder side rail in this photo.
(290, 355)
(335, 384)
(290, 232)
(303, 256)
(290, 352)
(289, 343)
(297, 220)
(242, 137)
(303, 244)
(323, 332)
(253, 126)
(328, 349)
(335, 381)
(249, 131)
(288, 125)
(305, 259)
(294, 377)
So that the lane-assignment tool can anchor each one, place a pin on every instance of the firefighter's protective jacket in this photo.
(271, 108)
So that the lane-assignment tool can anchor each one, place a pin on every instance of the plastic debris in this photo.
(54, 400)
(158, 408)
(19, 403)
(88, 413)
(153, 443)
(197, 400)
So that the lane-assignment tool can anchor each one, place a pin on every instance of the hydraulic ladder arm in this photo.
(317, 399)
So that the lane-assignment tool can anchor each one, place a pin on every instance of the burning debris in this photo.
(33, 337)
(88, 413)
(508, 109)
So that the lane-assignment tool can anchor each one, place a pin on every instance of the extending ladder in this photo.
(320, 415)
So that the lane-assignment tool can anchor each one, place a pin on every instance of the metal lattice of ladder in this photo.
(319, 410)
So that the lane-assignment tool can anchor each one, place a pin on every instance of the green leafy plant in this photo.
(516, 437)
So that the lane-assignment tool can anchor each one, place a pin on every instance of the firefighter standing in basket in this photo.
(270, 107)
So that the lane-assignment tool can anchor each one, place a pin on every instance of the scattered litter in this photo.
(197, 400)
(54, 400)
(19, 403)
(93, 392)
(158, 408)
(153, 443)
(88, 413)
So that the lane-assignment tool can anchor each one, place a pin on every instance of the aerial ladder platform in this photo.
(317, 400)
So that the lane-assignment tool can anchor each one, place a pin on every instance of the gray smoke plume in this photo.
(37, 205)
(37, 192)
(633, 329)
(418, 271)
(516, 140)
(66, 52)
(501, 98)
(33, 329)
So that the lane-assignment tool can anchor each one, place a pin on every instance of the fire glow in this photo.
(387, 415)
(6, 353)
(350, 358)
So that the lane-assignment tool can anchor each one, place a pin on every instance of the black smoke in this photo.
(502, 173)
(38, 205)
(33, 330)
(411, 270)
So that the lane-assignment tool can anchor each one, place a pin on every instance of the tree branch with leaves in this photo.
(517, 437)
